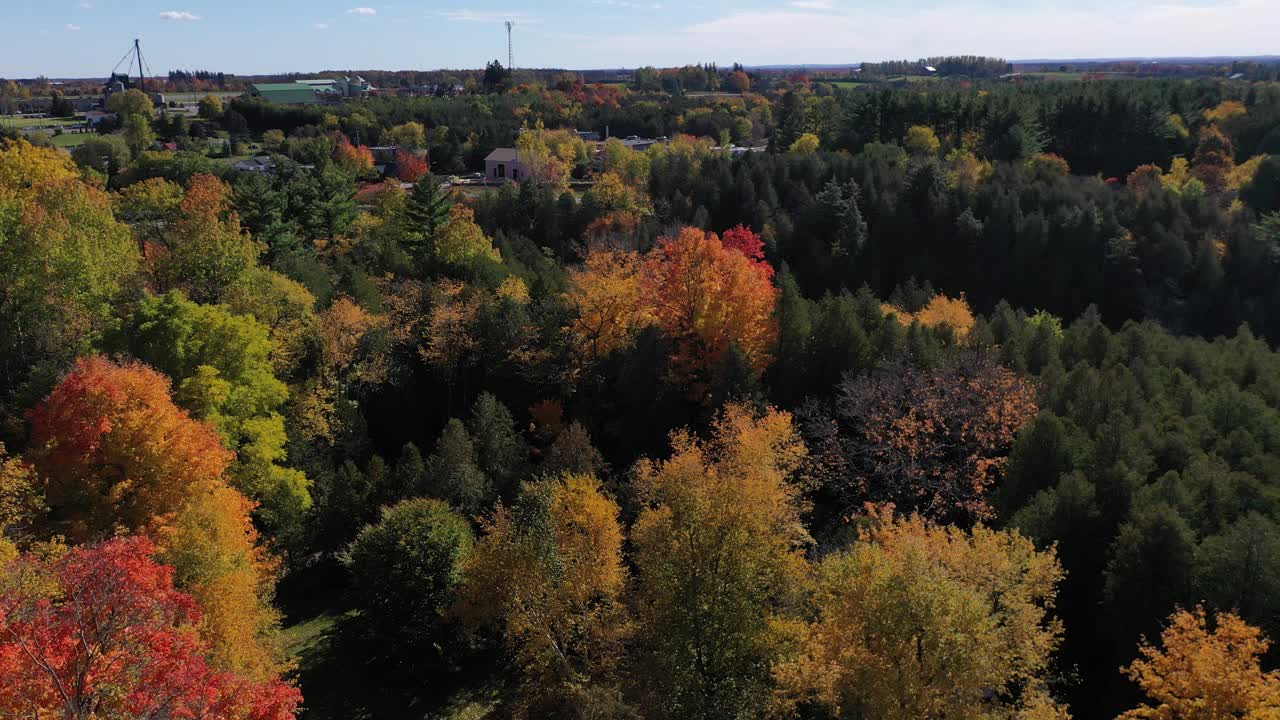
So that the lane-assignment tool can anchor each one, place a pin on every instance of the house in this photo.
(504, 164)
(590, 136)
(260, 164)
(93, 117)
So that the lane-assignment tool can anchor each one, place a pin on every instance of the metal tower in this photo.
(142, 77)
(511, 63)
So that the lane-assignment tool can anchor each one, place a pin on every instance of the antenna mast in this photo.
(142, 78)
(511, 63)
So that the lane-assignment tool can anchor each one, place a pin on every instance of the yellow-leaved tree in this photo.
(462, 243)
(941, 310)
(606, 295)
(549, 574)
(65, 261)
(1204, 673)
(918, 621)
(719, 552)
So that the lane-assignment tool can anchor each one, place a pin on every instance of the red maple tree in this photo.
(101, 632)
(749, 243)
(412, 168)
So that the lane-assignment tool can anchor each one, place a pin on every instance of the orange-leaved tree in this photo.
(411, 166)
(1204, 673)
(941, 310)
(355, 159)
(709, 297)
(118, 456)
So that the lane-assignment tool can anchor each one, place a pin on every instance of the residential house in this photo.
(262, 164)
(93, 117)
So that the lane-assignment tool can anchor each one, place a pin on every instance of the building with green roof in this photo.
(301, 92)
(286, 93)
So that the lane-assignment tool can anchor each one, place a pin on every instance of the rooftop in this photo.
(269, 87)
(502, 155)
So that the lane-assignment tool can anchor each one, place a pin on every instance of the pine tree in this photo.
(427, 211)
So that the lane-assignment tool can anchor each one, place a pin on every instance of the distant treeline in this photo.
(970, 65)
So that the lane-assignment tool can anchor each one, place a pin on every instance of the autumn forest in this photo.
(886, 401)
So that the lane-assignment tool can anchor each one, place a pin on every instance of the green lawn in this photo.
(304, 636)
(482, 703)
(70, 140)
(13, 121)
(196, 97)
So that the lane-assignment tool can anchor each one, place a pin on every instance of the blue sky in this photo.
(87, 37)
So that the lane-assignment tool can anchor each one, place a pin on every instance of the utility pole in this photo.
(511, 63)
(142, 78)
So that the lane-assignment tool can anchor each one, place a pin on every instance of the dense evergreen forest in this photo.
(957, 400)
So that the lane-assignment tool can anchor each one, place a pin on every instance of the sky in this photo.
(85, 38)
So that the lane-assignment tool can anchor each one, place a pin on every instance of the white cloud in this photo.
(72, 27)
(628, 4)
(322, 26)
(362, 11)
(181, 15)
(85, 6)
(492, 16)
(810, 4)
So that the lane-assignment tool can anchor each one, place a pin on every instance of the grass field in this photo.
(304, 636)
(14, 121)
(70, 140)
(196, 97)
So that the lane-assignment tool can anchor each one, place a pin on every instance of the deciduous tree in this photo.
(719, 550)
(405, 569)
(64, 261)
(607, 297)
(116, 452)
(222, 366)
(105, 634)
(707, 297)
(462, 243)
(923, 621)
(549, 573)
(1205, 671)
(411, 167)
(921, 140)
(931, 441)
(206, 251)
(116, 455)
